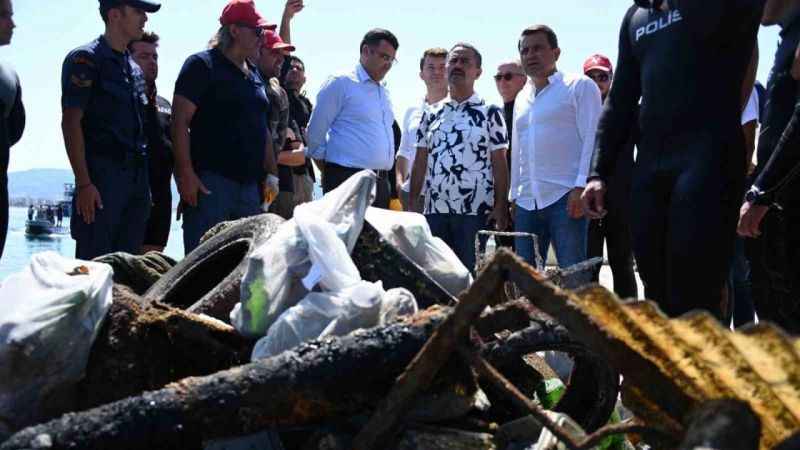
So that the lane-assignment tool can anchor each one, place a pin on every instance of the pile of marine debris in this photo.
(461, 374)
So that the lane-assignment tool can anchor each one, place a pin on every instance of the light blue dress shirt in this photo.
(351, 124)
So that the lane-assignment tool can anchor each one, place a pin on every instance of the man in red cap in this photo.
(289, 150)
(220, 97)
(615, 228)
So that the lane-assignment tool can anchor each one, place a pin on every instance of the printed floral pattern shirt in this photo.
(459, 138)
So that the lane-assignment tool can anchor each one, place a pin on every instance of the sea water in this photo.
(19, 248)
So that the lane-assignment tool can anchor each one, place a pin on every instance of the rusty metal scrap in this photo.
(672, 366)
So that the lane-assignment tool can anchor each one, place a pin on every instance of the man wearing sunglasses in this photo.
(220, 97)
(351, 126)
(614, 230)
(510, 79)
(284, 139)
(103, 101)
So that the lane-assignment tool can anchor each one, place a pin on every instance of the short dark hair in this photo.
(148, 37)
(478, 57)
(375, 36)
(435, 52)
(287, 66)
(552, 39)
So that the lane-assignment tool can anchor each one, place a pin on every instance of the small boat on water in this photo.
(44, 220)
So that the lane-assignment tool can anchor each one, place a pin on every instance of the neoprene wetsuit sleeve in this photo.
(16, 120)
(784, 164)
(619, 112)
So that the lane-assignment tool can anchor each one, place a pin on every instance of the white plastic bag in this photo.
(410, 234)
(273, 281)
(50, 315)
(321, 314)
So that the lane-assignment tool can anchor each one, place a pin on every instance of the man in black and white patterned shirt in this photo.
(461, 160)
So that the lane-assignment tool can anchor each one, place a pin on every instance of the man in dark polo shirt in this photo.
(12, 123)
(220, 97)
(103, 98)
(157, 115)
(289, 148)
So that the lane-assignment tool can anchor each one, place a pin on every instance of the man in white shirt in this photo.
(555, 121)
(351, 126)
(433, 73)
(461, 158)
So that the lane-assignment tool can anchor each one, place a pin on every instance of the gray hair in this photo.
(222, 40)
(512, 62)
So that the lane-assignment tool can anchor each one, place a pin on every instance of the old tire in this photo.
(207, 280)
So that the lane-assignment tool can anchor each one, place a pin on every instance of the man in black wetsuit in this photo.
(770, 214)
(12, 122)
(686, 60)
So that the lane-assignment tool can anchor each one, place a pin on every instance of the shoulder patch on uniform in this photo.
(80, 81)
(82, 59)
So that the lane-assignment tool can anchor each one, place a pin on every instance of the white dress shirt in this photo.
(351, 124)
(750, 112)
(408, 139)
(553, 141)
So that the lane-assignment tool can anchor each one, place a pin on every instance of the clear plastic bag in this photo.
(50, 315)
(321, 314)
(274, 279)
(410, 234)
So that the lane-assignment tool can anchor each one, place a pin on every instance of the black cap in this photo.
(144, 5)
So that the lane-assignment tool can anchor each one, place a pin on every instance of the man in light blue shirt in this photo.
(351, 126)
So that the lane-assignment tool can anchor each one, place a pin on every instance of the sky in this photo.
(327, 34)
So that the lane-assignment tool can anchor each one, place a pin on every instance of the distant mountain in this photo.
(47, 184)
(39, 184)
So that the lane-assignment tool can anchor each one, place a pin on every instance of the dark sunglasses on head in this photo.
(601, 77)
(506, 76)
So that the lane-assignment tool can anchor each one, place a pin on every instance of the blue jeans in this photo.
(458, 231)
(552, 224)
(228, 200)
(120, 225)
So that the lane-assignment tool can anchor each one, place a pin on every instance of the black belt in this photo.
(379, 173)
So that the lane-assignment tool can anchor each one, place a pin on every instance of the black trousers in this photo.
(158, 225)
(775, 270)
(687, 189)
(615, 230)
(334, 175)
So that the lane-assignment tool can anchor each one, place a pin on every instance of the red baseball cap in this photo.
(273, 41)
(597, 62)
(244, 12)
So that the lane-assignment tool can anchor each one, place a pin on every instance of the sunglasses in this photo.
(601, 77)
(257, 30)
(506, 76)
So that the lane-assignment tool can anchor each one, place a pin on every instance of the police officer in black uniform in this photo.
(686, 61)
(770, 214)
(12, 118)
(103, 100)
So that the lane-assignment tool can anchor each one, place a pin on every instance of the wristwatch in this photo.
(756, 196)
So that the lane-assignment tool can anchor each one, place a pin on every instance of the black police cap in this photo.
(144, 5)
